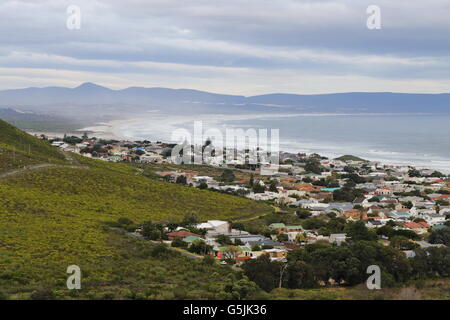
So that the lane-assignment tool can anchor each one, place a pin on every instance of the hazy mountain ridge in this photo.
(107, 102)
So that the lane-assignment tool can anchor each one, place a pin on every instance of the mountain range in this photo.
(90, 101)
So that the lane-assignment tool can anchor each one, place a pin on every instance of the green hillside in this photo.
(19, 149)
(54, 217)
(348, 157)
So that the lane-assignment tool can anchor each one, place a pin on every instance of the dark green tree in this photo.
(227, 176)
(263, 272)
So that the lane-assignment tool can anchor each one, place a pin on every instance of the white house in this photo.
(433, 219)
(337, 238)
(215, 226)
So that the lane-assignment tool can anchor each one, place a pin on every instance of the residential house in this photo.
(337, 238)
(180, 234)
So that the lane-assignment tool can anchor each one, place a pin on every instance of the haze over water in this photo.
(420, 140)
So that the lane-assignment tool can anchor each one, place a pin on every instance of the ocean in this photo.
(419, 140)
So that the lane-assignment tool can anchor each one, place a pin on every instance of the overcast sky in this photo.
(229, 46)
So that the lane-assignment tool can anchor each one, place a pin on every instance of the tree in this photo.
(336, 225)
(252, 180)
(179, 243)
(313, 223)
(72, 139)
(190, 219)
(420, 264)
(408, 204)
(300, 275)
(358, 231)
(338, 263)
(263, 272)
(139, 152)
(303, 213)
(172, 226)
(300, 238)
(437, 174)
(439, 261)
(181, 179)
(348, 193)
(407, 233)
(282, 237)
(200, 247)
(160, 251)
(256, 247)
(227, 176)
(242, 289)
(403, 243)
(394, 262)
(386, 231)
(273, 186)
(258, 188)
(151, 231)
(155, 235)
(313, 165)
(223, 239)
(355, 178)
(414, 173)
(203, 185)
(209, 260)
(441, 236)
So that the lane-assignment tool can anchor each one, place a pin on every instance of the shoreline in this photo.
(158, 127)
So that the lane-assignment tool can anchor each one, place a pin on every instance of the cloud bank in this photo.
(236, 46)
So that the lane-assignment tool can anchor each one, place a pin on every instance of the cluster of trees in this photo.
(72, 139)
(258, 188)
(354, 177)
(227, 176)
(441, 236)
(313, 165)
(416, 173)
(348, 192)
(153, 231)
(389, 231)
(200, 247)
(181, 179)
(318, 263)
(354, 230)
(328, 182)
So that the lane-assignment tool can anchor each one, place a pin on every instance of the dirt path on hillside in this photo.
(37, 167)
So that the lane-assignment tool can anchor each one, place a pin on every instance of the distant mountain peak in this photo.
(90, 85)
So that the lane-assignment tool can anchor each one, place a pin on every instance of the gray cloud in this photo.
(234, 46)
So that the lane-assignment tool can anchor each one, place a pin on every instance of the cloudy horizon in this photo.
(235, 47)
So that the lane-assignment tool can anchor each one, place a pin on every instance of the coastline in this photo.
(158, 127)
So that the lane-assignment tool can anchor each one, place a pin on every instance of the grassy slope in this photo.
(55, 217)
(18, 149)
(415, 290)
